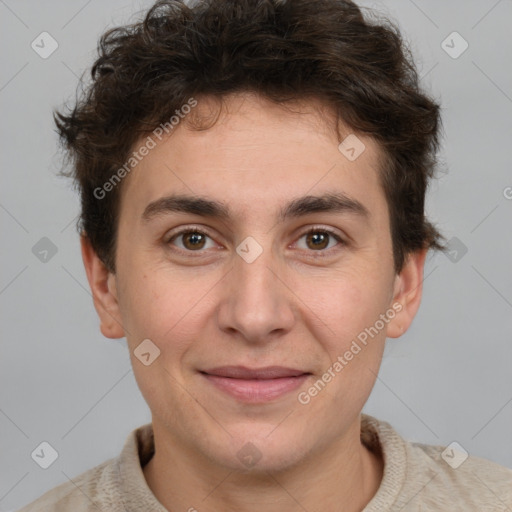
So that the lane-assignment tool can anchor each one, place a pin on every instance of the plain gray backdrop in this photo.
(447, 379)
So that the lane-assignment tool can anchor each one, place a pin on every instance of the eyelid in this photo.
(187, 229)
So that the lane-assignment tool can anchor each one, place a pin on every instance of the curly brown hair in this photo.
(284, 50)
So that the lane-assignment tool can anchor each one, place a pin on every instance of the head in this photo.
(292, 137)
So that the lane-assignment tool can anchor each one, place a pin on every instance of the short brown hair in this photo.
(284, 50)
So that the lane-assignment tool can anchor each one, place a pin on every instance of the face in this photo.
(252, 296)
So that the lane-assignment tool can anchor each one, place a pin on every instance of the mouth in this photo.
(255, 385)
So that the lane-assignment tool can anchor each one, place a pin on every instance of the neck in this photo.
(347, 473)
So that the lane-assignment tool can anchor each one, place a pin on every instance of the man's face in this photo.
(254, 290)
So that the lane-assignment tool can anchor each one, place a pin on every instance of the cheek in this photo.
(167, 307)
(348, 302)
(353, 308)
(150, 306)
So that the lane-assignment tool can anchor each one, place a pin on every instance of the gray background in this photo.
(448, 378)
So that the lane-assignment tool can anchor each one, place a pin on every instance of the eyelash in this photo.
(315, 229)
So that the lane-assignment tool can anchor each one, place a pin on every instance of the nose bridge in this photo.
(256, 278)
(258, 303)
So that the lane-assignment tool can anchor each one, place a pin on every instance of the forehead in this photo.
(255, 158)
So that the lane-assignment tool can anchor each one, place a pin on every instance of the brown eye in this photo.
(191, 240)
(320, 239)
(317, 240)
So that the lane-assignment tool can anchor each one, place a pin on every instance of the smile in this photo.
(255, 385)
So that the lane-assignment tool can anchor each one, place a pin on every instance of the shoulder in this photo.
(433, 478)
(447, 476)
(86, 492)
(107, 486)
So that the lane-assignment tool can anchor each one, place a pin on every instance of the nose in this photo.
(257, 302)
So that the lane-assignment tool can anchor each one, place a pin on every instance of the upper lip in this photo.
(242, 372)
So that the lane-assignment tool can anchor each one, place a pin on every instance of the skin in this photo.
(289, 307)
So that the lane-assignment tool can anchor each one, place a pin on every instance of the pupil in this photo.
(193, 238)
(319, 239)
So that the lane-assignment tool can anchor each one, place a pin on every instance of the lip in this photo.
(255, 385)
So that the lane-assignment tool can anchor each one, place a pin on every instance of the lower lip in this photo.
(256, 391)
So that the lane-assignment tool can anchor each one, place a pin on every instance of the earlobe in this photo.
(104, 291)
(408, 289)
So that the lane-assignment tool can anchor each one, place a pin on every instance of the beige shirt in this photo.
(416, 478)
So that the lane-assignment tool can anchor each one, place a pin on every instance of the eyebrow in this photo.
(299, 207)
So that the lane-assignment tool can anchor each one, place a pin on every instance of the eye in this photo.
(319, 239)
(192, 240)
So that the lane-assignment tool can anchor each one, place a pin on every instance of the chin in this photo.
(260, 453)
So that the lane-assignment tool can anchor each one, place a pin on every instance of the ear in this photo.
(104, 292)
(407, 293)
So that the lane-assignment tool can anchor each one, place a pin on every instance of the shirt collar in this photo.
(376, 435)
